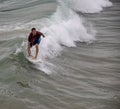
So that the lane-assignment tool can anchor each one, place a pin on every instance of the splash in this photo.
(65, 26)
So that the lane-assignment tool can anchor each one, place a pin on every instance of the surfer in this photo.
(34, 39)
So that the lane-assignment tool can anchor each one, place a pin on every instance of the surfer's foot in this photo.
(34, 58)
(30, 56)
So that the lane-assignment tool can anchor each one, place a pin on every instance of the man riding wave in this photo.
(34, 39)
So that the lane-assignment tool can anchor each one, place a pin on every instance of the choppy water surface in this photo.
(80, 56)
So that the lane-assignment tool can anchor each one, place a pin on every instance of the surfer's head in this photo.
(33, 30)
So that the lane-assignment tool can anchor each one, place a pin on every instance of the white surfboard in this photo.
(30, 58)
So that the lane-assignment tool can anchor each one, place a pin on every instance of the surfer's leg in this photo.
(37, 47)
(28, 49)
(37, 50)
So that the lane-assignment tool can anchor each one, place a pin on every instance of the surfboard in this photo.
(30, 59)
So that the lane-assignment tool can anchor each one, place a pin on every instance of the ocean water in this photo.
(80, 56)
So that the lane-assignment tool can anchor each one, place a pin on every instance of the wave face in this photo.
(65, 26)
(80, 54)
(62, 22)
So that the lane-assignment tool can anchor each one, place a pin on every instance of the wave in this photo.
(88, 6)
(65, 26)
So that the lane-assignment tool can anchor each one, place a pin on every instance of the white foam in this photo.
(63, 28)
(20, 49)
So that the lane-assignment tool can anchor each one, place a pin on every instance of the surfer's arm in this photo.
(42, 34)
(29, 37)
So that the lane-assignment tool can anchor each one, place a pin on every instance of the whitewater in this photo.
(80, 62)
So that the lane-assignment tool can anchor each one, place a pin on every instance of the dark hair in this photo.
(33, 29)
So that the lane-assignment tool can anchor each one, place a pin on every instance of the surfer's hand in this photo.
(43, 35)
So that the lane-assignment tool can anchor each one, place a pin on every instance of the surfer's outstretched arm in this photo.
(28, 49)
(43, 35)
